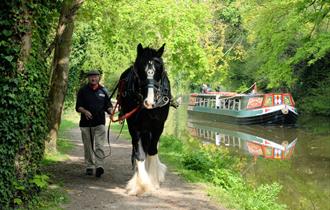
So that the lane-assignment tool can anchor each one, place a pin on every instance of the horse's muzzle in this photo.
(148, 104)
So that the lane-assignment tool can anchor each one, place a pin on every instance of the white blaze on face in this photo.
(149, 101)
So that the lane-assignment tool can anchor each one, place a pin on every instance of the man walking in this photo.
(92, 102)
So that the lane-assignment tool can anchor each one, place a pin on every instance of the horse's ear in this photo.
(139, 49)
(161, 50)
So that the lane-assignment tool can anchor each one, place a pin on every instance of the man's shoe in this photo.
(89, 171)
(99, 172)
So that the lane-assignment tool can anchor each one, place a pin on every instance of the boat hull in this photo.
(273, 117)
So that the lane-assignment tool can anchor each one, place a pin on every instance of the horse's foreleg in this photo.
(156, 170)
(140, 181)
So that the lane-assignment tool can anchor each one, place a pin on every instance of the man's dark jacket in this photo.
(96, 102)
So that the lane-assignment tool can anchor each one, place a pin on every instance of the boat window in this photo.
(287, 100)
(278, 99)
(268, 152)
(217, 102)
(237, 104)
(268, 101)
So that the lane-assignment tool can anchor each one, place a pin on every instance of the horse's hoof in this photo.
(135, 192)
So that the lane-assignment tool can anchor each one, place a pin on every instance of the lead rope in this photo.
(109, 130)
(92, 142)
(108, 138)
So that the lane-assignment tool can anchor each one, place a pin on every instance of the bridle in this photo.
(159, 91)
(132, 86)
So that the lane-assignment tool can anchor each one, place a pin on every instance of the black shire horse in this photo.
(144, 98)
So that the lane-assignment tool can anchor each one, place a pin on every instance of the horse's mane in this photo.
(144, 56)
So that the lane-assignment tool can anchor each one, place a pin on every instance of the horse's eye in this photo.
(158, 64)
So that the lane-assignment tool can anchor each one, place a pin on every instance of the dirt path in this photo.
(108, 192)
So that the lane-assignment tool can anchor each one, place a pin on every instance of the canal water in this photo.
(296, 157)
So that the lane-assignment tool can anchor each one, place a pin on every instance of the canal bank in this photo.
(304, 177)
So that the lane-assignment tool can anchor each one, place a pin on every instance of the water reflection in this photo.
(247, 139)
(250, 143)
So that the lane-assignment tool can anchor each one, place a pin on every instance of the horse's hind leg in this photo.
(140, 181)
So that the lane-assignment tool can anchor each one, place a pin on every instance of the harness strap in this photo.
(125, 116)
(114, 90)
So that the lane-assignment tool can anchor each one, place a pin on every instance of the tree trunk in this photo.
(60, 69)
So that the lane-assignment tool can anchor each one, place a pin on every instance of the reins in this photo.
(125, 116)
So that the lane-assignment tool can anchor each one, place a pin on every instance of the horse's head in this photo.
(149, 68)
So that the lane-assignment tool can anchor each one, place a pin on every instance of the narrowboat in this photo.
(254, 108)
(250, 140)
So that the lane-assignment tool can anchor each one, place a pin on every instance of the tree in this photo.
(292, 43)
(183, 25)
(60, 68)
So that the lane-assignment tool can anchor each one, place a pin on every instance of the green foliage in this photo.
(40, 181)
(183, 26)
(82, 36)
(24, 87)
(318, 99)
(48, 199)
(210, 164)
(289, 48)
(232, 43)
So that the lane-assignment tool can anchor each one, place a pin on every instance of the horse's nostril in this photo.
(148, 105)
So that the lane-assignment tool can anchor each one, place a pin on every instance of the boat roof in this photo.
(234, 94)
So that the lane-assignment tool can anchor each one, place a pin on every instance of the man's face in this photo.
(93, 79)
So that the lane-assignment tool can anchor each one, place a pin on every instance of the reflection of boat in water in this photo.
(256, 108)
(252, 140)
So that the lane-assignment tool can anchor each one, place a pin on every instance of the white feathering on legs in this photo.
(140, 181)
(156, 170)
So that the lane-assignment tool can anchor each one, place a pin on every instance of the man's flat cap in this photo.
(92, 72)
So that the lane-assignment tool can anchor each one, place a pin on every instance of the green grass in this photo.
(49, 199)
(219, 170)
(63, 147)
(115, 128)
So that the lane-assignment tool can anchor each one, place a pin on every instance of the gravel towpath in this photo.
(108, 192)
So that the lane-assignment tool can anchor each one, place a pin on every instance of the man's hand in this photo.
(88, 114)
(109, 110)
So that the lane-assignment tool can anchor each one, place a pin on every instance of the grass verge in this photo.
(219, 170)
